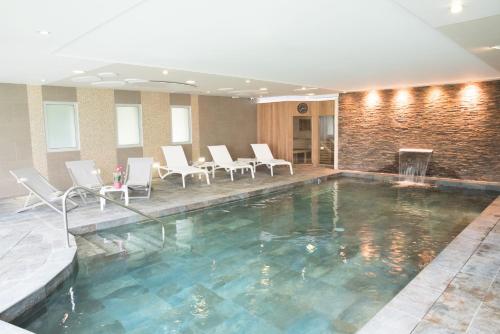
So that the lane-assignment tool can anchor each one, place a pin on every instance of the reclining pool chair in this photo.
(264, 156)
(222, 159)
(84, 173)
(177, 164)
(41, 192)
(139, 176)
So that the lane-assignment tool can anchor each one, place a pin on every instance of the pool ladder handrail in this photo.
(88, 190)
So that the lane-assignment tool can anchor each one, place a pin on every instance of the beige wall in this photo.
(37, 129)
(214, 121)
(15, 139)
(155, 123)
(227, 121)
(96, 113)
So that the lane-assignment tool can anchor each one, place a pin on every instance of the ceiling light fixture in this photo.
(44, 32)
(496, 47)
(224, 89)
(208, 92)
(248, 81)
(190, 82)
(263, 88)
(42, 80)
(310, 94)
(164, 72)
(456, 7)
(78, 71)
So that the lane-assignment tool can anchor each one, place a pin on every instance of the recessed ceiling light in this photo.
(310, 94)
(208, 92)
(224, 89)
(42, 80)
(304, 89)
(44, 32)
(263, 88)
(190, 82)
(248, 81)
(164, 72)
(496, 47)
(107, 74)
(78, 71)
(456, 7)
(235, 97)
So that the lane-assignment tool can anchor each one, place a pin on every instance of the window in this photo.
(181, 124)
(129, 125)
(61, 126)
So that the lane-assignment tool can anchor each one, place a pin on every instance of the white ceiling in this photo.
(281, 45)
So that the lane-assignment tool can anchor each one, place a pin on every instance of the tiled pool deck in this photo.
(458, 292)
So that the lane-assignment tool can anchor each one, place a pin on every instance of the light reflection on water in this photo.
(321, 258)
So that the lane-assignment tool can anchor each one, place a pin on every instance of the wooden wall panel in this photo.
(275, 126)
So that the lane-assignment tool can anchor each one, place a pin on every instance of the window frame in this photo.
(76, 125)
(141, 139)
(190, 120)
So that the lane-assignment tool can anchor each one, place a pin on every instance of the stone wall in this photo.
(461, 123)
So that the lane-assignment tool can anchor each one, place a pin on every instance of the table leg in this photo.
(126, 197)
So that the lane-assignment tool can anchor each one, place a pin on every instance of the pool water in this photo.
(319, 259)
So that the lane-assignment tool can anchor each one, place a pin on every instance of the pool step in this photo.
(88, 249)
(108, 245)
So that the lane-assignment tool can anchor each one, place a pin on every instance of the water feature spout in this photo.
(413, 163)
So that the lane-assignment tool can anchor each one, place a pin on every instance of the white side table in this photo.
(110, 189)
(250, 161)
(209, 166)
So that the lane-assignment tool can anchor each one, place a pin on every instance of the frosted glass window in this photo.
(61, 124)
(181, 125)
(129, 125)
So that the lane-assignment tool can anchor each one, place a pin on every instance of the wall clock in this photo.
(302, 108)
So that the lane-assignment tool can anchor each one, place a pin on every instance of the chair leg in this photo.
(183, 181)
(231, 172)
(272, 172)
(291, 169)
(208, 178)
(253, 174)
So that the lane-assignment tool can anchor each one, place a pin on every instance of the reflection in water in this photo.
(320, 258)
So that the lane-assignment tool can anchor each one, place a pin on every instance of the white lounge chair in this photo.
(139, 175)
(177, 164)
(84, 173)
(40, 190)
(222, 159)
(264, 156)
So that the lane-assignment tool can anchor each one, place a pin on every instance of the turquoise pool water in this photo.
(318, 259)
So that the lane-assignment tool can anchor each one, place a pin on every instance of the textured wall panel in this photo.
(155, 123)
(37, 129)
(15, 141)
(98, 128)
(460, 122)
